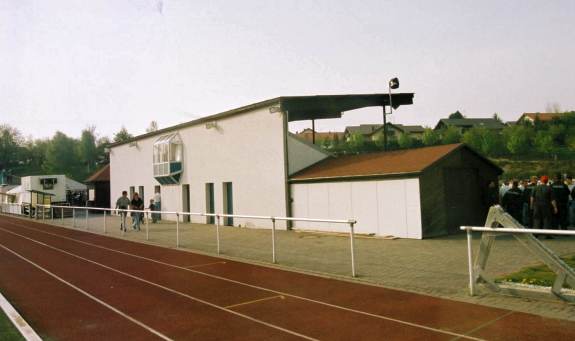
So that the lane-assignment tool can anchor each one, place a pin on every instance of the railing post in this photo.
(73, 217)
(147, 228)
(105, 221)
(43, 212)
(52, 214)
(470, 263)
(62, 216)
(177, 230)
(352, 245)
(218, 233)
(273, 240)
(123, 221)
(87, 212)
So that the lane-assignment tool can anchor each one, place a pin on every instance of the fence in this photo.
(53, 212)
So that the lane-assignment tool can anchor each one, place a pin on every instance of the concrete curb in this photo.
(18, 321)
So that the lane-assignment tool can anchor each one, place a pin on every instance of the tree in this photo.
(405, 141)
(11, 142)
(87, 150)
(430, 137)
(456, 115)
(62, 157)
(473, 138)
(544, 142)
(450, 135)
(122, 135)
(518, 139)
(492, 143)
(356, 142)
(152, 127)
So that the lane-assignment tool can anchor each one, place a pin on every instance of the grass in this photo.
(536, 275)
(7, 330)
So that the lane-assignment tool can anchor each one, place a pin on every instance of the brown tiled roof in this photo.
(375, 164)
(101, 175)
(541, 116)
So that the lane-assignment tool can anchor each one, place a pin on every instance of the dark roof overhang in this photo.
(332, 106)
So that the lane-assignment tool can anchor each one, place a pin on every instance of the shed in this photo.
(99, 182)
(416, 193)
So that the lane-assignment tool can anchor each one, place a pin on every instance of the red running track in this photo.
(73, 285)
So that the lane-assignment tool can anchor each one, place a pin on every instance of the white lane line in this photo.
(255, 301)
(151, 330)
(201, 265)
(159, 286)
(18, 321)
(387, 318)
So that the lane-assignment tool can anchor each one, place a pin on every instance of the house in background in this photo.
(541, 117)
(464, 124)
(99, 187)
(309, 135)
(415, 131)
(371, 131)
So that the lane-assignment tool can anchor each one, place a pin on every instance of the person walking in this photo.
(512, 201)
(122, 204)
(561, 194)
(543, 204)
(158, 204)
(137, 204)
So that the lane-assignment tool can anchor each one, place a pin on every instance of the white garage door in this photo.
(386, 207)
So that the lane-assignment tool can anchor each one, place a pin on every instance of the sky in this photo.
(69, 64)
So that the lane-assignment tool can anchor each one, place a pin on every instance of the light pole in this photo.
(392, 84)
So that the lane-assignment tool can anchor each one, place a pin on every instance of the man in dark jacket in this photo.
(543, 204)
(512, 201)
(527, 210)
(561, 194)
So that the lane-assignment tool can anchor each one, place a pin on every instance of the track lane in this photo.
(162, 310)
(369, 299)
(57, 311)
(298, 324)
(370, 321)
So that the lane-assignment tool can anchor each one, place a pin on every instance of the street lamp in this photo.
(392, 84)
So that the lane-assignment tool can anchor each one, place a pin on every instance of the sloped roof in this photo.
(543, 117)
(410, 129)
(398, 162)
(489, 123)
(364, 129)
(101, 175)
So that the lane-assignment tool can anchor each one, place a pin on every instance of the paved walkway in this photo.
(437, 266)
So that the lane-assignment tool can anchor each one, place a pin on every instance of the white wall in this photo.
(245, 149)
(33, 183)
(384, 207)
(302, 155)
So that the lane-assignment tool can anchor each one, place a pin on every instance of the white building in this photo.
(58, 186)
(239, 161)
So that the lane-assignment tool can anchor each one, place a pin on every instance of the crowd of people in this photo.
(537, 202)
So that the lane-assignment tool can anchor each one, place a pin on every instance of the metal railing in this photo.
(473, 277)
(41, 214)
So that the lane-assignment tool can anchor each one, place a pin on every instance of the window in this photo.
(168, 155)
